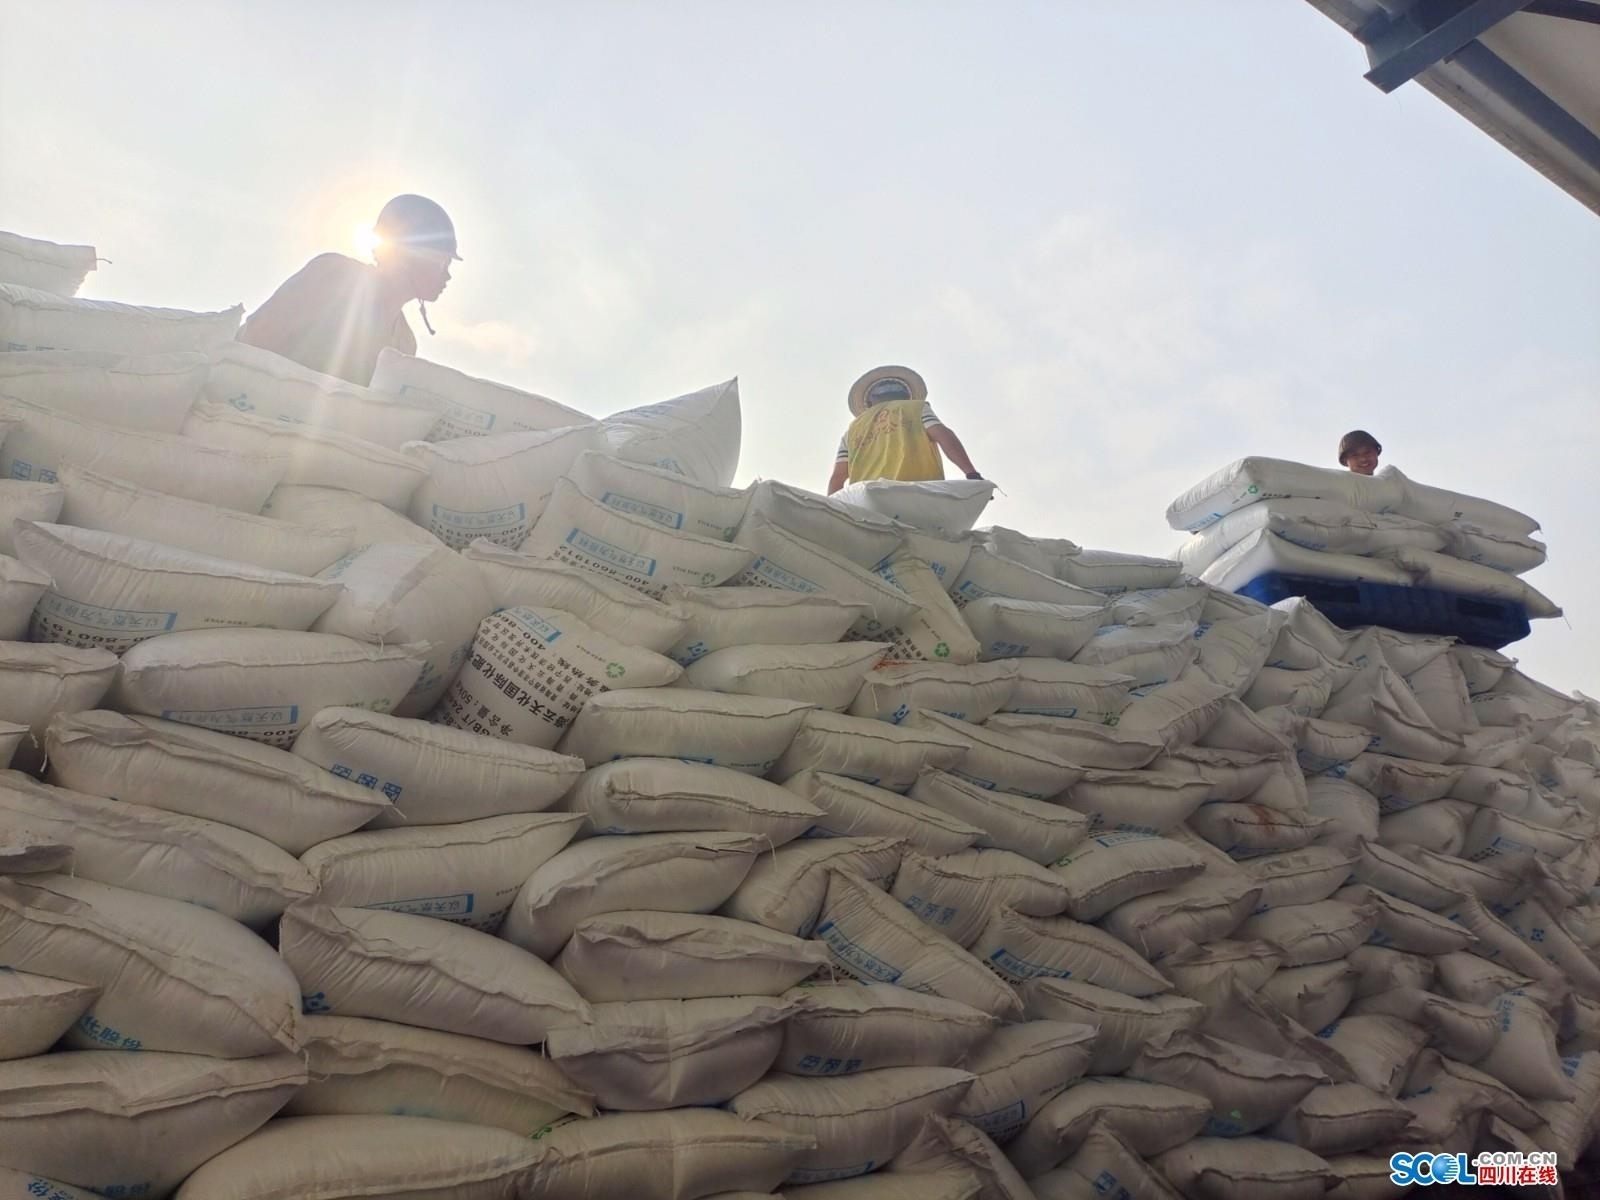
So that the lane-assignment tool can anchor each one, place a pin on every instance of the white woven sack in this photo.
(1046, 688)
(1007, 628)
(1447, 574)
(493, 487)
(971, 693)
(1379, 700)
(1437, 506)
(364, 962)
(664, 795)
(1495, 835)
(664, 872)
(1500, 945)
(1136, 801)
(1107, 869)
(1233, 652)
(172, 976)
(113, 592)
(21, 500)
(1440, 688)
(1314, 996)
(151, 1118)
(11, 739)
(695, 435)
(849, 808)
(1465, 1032)
(785, 889)
(873, 938)
(159, 853)
(956, 893)
(1304, 693)
(39, 681)
(315, 457)
(933, 631)
(21, 588)
(1105, 1161)
(1037, 553)
(1312, 933)
(948, 1148)
(205, 774)
(91, 501)
(787, 562)
(859, 1122)
(1210, 973)
(517, 580)
(1149, 1117)
(741, 616)
(1524, 1055)
(1351, 812)
(873, 752)
(1246, 830)
(745, 733)
(470, 407)
(1343, 1118)
(149, 392)
(1019, 948)
(1126, 1024)
(1161, 606)
(1091, 746)
(264, 384)
(36, 1010)
(1152, 654)
(669, 499)
(1516, 554)
(997, 760)
(577, 529)
(403, 593)
(641, 955)
(1112, 573)
(828, 676)
(642, 1055)
(1379, 1049)
(336, 508)
(941, 506)
(1300, 876)
(36, 320)
(1313, 524)
(1199, 911)
(262, 684)
(1019, 1069)
(946, 555)
(467, 873)
(1264, 552)
(1404, 926)
(1253, 480)
(1037, 830)
(846, 1028)
(1225, 1168)
(359, 1066)
(44, 266)
(664, 1156)
(315, 1158)
(855, 533)
(1399, 783)
(1491, 883)
(47, 442)
(987, 573)
(1248, 1090)
(432, 774)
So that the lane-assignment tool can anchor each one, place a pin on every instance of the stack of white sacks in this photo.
(527, 813)
(1259, 515)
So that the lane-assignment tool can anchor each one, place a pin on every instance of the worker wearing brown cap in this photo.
(336, 314)
(1359, 450)
(895, 434)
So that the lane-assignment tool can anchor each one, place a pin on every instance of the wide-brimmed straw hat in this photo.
(917, 389)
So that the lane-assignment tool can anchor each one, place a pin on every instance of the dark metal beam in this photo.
(1403, 49)
(1570, 10)
(1493, 73)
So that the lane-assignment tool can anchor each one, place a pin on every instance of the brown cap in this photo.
(914, 386)
(1355, 440)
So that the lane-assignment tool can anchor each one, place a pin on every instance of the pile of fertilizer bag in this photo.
(429, 790)
(1260, 516)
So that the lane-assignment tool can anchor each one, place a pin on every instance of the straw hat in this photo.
(858, 389)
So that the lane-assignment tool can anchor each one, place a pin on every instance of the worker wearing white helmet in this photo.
(337, 314)
(894, 433)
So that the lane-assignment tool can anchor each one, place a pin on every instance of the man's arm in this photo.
(274, 325)
(944, 437)
(841, 476)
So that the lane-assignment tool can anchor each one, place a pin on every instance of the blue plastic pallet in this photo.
(1476, 620)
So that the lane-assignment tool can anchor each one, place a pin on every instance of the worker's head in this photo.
(884, 384)
(1359, 450)
(416, 242)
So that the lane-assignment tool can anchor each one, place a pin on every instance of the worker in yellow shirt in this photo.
(337, 314)
(895, 434)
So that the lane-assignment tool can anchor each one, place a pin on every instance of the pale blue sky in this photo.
(1125, 243)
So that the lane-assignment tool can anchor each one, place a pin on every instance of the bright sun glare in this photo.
(365, 240)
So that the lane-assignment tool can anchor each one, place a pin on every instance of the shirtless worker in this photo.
(336, 314)
(895, 434)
